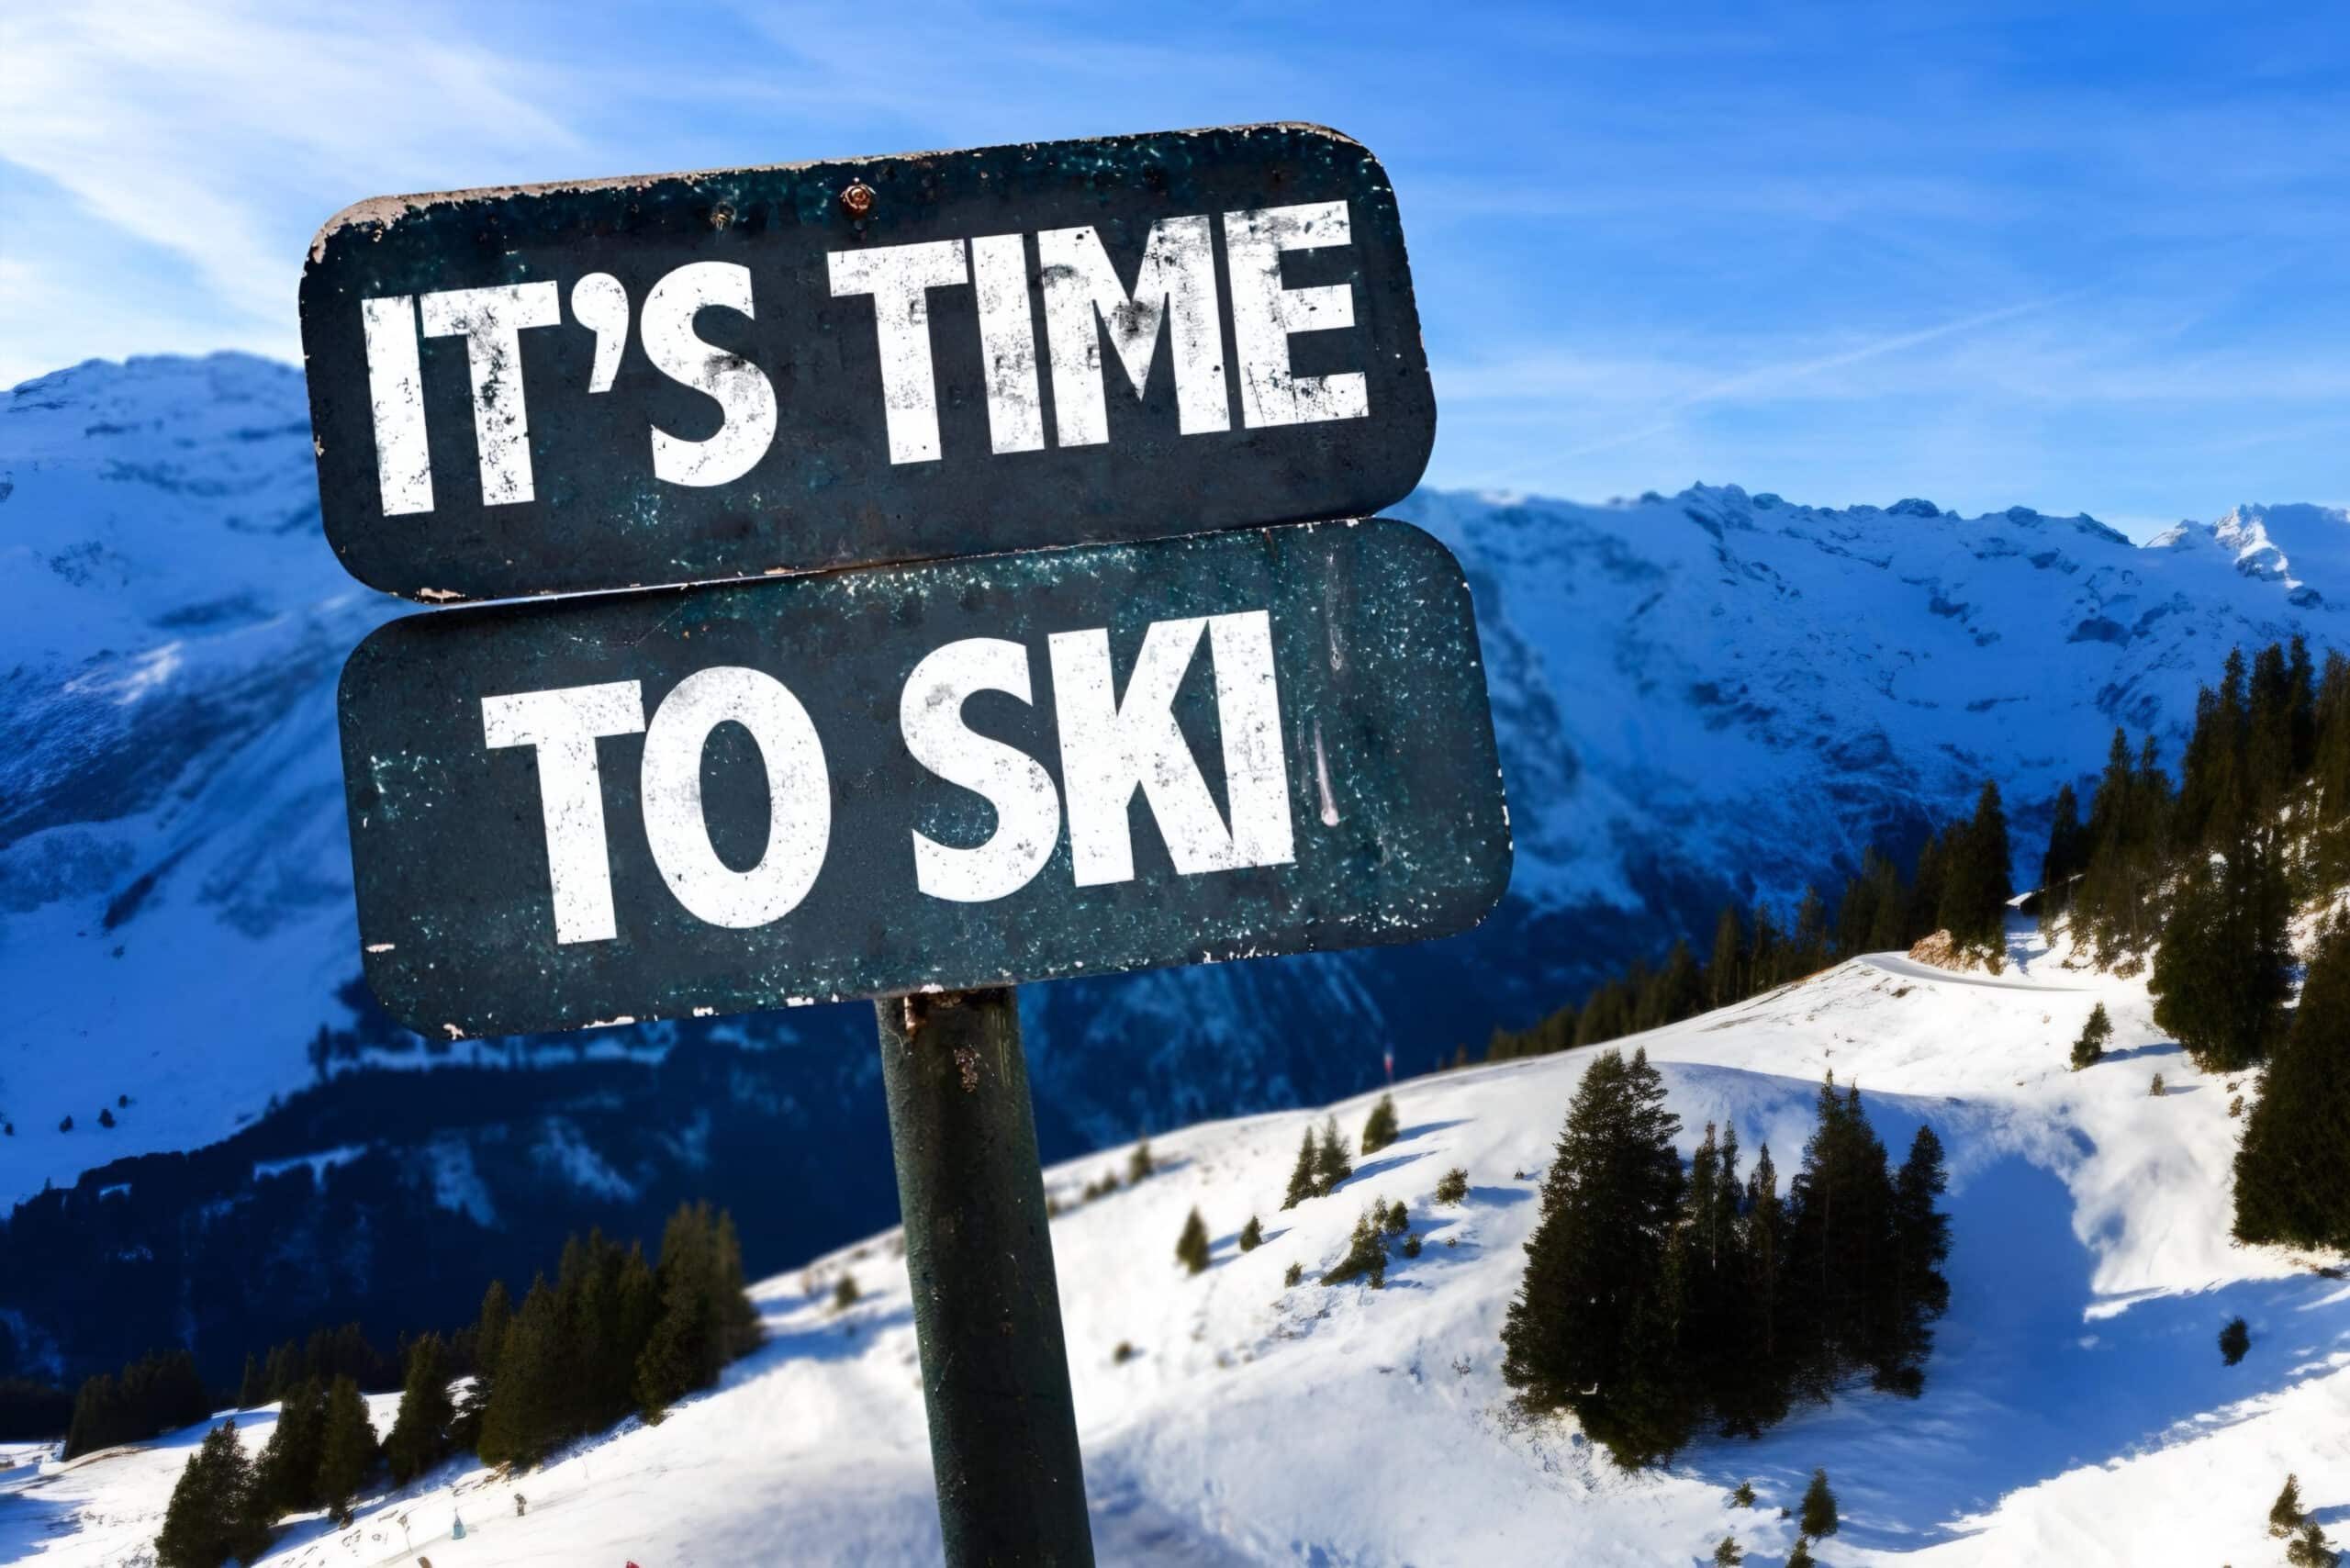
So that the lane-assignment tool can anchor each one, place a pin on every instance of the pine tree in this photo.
(347, 1450)
(1300, 1175)
(1728, 1554)
(211, 1517)
(1888, 928)
(1752, 1384)
(1974, 882)
(152, 1395)
(1744, 1496)
(1925, 900)
(1856, 910)
(419, 1438)
(2067, 855)
(2088, 1048)
(1676, 992)
(251, 1391)
(1366, 1254)
(2308, 1547)
(1379, 1129)
(1807, 944)
(2235, 1340)
(285, 1480)
(487, 1337)
(1839, 1241)
(1331, 1165)
(2284, 1514)
(2157, 1089)
(1610, 1201)
(1724, 981)
(1252, 1235)
(2222, 974)
(1918, 1294)
(1817, 1518)
(704, 1320)
(523, 1418)
(1452, 1187)
(1801, 1556)
(2292, 1183)
(1764, 955)
(1191, 1246)
(1140, 1164)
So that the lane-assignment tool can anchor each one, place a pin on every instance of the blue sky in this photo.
(2079, 257)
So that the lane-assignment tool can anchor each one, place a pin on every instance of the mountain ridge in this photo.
(1710, 697)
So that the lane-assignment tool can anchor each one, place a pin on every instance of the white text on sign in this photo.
(1174, 294)
(1110, 745)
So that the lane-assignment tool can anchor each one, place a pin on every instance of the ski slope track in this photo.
(2076, 1410)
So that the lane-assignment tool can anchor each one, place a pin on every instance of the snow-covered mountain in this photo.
(2076, 1408)
(1702, 697)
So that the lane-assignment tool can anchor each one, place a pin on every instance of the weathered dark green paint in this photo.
(979, 1267)
(826, 494)
(1375, 653)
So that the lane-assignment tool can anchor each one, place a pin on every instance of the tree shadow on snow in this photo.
(1501, 1197)
(1378, 1167)
(1422, 1129)
(2022, 1385)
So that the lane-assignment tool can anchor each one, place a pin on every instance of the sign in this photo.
(952, 775)
(690, 377)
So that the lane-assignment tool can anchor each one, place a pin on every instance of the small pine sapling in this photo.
(2089, 1049)
(1818, 1520)
(2309, 1550)
(1140, 1164)
(1331, 1165)
(1191, 1246)
(1293, 1274)
(1399, 1220)
(2155, 1089)
(1452, 1187)
(2284, 1514)
(1300, 1175)
(1728, 1554)
(1744, 1496)
(1252, 1235)
(1366, 1256)
(1411, 1246)
(2234, 1340)
(1379, 1128)
(1801, 1556)
(844, 1293)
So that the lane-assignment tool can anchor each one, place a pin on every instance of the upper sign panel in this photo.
(687, 377)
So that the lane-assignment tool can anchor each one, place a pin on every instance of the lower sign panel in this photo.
(962, 773)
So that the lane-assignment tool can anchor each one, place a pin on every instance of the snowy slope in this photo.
(2077, 1409)
(1698, 696)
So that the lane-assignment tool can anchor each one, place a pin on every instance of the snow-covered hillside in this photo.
(2076, 1408)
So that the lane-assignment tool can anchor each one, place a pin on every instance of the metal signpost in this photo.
(1123, 674)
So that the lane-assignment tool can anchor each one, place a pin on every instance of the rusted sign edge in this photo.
(386, 211)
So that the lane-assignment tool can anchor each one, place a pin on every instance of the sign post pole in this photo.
(979, 1262)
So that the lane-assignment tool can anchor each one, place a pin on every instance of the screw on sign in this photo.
(1124, 674)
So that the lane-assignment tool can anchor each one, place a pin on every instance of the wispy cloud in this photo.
(213, 133)
(1772, 380)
